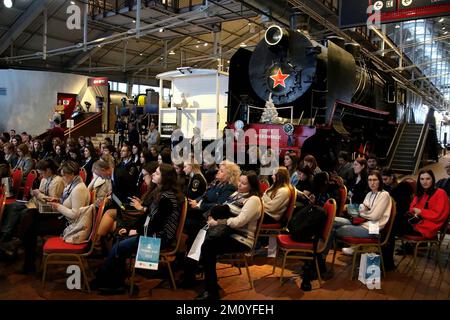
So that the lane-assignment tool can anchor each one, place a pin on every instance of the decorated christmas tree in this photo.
(270, 114)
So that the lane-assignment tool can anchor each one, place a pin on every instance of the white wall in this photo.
(31, 97)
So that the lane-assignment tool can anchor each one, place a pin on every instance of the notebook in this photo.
(47, 209)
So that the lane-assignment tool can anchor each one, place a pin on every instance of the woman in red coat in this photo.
(430, 205)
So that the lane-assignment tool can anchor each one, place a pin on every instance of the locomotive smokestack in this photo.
(275, 35)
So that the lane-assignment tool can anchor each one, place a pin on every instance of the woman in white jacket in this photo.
(244, 210)
(375, 209)
(276, 198)
(74, 197)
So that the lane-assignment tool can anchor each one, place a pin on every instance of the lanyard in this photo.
(376, 195)
(47, 186)
(67, 192)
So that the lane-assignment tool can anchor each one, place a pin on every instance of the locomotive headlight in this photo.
(274, 34)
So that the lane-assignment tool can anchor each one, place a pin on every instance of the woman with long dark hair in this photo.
(245, 210)
(358, 186)
(161, 213)
(430, 207)
(276, 198)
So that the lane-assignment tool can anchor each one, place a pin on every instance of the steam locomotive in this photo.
(328, 97)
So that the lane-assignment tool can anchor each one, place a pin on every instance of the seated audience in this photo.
(160, 212)
(276, 198)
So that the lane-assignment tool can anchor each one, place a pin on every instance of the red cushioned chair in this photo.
(241, 258)
(83, 174)
(29, 184)
(419, 241)
(2, 203)
(263, 186)
(274, 229)
(343, 196)
(168, 256)
(364, 245)
(306, 250)
(56, 251)
(16, 181)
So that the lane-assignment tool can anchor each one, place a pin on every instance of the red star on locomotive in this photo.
(279, 78)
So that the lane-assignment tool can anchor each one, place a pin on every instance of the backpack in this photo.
(307, 223)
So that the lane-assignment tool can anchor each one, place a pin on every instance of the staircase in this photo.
(406, 149)
(100, 137)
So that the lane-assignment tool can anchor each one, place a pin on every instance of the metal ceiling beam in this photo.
(233, 44)
(33, 11)
(83, 56)
(172, 45)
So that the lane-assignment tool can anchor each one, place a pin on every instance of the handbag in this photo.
(369, 270)
(79, 229)
(147, 255)
(196, 248)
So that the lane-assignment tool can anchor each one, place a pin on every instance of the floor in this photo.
(425, 283)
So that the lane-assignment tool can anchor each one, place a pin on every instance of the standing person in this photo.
(133, 134)
(57, 131)
(153, 137)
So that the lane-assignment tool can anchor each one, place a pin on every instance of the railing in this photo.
(97, 7)
(89, 127)
(394, 143)
(251, 107)
(422, 143)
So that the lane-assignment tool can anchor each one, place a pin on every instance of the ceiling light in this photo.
(441, 20)
(205, 44)
(99, 46)
(443, 28)
(243, 45)
(161, 29)
(72, 2)
(8, 3)
(172, 52)
(445, 32)
(140, 54)
(197, 46)
(397, 26)
(134, 21)
(198, 41)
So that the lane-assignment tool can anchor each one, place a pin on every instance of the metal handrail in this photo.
(420, 138)
(398, 134)
(422, 147)
(82, 123)
(279, 108)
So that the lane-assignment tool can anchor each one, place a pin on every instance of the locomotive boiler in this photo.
(327, 96)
